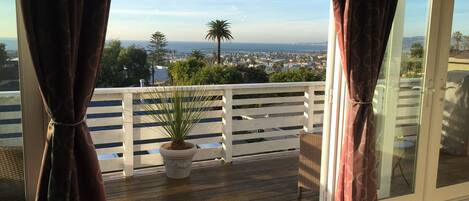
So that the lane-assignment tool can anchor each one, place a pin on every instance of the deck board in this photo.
(243, 180)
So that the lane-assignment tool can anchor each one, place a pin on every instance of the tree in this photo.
(253, 75)
(134, 62)
(111, 73)
(411, 69)
(183, 71)
(219, 30)
(121, 67)
(466, 42)
(3, 55)
(197, 54)
(299, 75)
(277, 66)
(457, 37)
(416, 50)
(156, 49)
(218, 75)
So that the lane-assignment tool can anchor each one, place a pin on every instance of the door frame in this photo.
(34, 118)
(442, 29)
(438, 34)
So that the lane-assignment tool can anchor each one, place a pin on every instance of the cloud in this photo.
(282, 31)
(156, 12)
(234, 8)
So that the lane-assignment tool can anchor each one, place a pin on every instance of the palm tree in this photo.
(466, 39)
(457, 37)
(219, 30)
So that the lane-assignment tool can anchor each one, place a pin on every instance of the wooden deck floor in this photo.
(247, 179)
(265, 178)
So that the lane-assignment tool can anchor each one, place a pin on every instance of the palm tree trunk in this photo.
(152, 73)
(219, 50)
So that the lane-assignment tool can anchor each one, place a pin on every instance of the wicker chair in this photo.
(11, 174)
(309, 163)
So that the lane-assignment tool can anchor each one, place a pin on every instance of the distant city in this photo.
(269, 57)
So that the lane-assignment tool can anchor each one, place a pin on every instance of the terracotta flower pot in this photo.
(178, 163)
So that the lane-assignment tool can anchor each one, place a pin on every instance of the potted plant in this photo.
(178, 109)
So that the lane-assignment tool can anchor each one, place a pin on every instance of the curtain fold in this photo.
(66, 40)
(363, 28)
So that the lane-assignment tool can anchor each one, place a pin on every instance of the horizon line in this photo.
(252, 42)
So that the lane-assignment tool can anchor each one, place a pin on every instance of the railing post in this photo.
(309, 112)
(227, 125)
(127, 114)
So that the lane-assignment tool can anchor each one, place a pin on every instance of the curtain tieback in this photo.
(52, 121)
(361, 102)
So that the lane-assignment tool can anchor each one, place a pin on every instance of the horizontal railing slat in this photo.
(251, 101)
(106, 109)
(10, 115)
(157, 145)
(109, 165)
(275, 122)
(108, 121)
(269, 110)
(268, 90)
(107, 136)
(265, 146)
(110, 150)
(156, 132)
(278, 133)
(10, 128)
(8, 142)
(139, 119)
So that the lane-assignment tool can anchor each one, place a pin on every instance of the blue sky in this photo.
(252, 20)
(266, 21)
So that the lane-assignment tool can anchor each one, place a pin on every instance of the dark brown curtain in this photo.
(66, 39)
(363, 28)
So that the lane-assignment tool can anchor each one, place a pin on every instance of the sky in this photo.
(260, 21)
(280, 21)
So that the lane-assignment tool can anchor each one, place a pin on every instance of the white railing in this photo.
(247, 119)
(10, 119)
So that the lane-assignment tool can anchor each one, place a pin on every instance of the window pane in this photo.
(454, 150)
(397, 100)
(11, 141)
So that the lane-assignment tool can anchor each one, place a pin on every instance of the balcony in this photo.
(252, 126)
(266, 178)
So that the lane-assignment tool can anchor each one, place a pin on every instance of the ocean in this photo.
(208, 47)
(187, 47)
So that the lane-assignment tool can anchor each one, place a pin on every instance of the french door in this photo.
(447, 175)
(421, 106)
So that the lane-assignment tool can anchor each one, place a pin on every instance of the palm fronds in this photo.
(179, 109)
(219, 29)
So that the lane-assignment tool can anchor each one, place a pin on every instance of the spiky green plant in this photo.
(178, 109)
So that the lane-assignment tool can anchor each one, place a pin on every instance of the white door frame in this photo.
(33, 119)
(442, 29)
(438, 29)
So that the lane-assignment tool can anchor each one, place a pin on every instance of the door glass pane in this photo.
(11, 141)
(397, 100)
(453, 163)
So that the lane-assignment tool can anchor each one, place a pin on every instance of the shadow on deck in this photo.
(268, 178)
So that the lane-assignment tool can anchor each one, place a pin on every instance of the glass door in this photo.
(453, 163)
(447, 174)
(397, 100)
